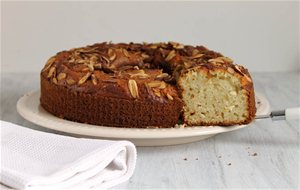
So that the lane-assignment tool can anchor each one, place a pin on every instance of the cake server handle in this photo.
(287, 114)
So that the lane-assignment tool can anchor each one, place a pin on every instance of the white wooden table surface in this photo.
(264, 155)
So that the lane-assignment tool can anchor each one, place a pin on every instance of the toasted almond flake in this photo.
(237, 68)
(94, 79)
(51, 72)
(156, 89)
(145, 56)
(230, 70)
(136, 67)
(76, 53)
(163, 85)
(227, 59)
(72, 60)
(161, 50)
(161, 76)
(163, 45)
(92, 62)
(176, 45)
(84, 50)
(139, 75)
(220, 60)
(169, 96)
(81, 61)
(148, 88)
(216, 60)
(106, 59)
(133, 88)
(195, 52)
(197, 56)
(113, 57)
(91, 67)
(179, 46)
(97, 66)
(84, 78)
(125, 52)
(94, 58)
(110, 52)
(61, 76)
(248, 78)
(157, 94)
(171, 55)
(144, 76)
(49, 63)
(54, 80)
(154, 84)
(153, 46)
(70, 81)
(168, 78)
(187, 64)
(173, 43)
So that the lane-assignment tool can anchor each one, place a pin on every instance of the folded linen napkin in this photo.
(37, 160)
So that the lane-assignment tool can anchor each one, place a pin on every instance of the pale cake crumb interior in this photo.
(214, 97)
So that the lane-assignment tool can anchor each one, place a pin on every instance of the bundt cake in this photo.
(147, 85)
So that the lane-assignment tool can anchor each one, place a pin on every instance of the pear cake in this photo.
(134, 85)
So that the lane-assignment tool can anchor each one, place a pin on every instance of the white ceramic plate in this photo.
(29, 107)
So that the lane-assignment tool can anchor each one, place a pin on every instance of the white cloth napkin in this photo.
(32, 159)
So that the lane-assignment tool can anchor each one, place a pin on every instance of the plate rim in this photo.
(41, 116)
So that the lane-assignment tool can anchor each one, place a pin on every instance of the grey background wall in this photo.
(263, 36)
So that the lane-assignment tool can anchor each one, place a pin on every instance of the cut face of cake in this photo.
(216, 96)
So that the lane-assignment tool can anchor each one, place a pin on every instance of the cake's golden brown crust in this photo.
(127, 85)
(107, 110)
